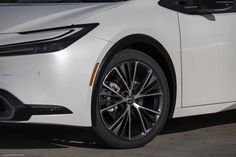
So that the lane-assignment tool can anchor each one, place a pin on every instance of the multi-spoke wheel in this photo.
(132, 100)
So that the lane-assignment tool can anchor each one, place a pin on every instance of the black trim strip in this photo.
(180, 6)
(47, 109)
(91, 26)
(13, 109)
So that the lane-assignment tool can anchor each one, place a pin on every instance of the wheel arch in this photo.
(153, 48)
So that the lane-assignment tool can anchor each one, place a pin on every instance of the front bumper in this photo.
(60, 78)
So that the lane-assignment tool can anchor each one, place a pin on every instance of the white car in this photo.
(119, 67)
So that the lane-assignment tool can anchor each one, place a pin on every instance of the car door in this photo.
(208, 44)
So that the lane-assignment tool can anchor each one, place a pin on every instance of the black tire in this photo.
(107, 137)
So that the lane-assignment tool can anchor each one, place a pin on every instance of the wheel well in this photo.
(154, 49)
(161, 60)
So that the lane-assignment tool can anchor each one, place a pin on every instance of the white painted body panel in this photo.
(62, 78)
(209, 59)
(19, 18)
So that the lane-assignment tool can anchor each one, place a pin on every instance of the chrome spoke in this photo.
(117, 121)
(130, 127)
(123, 80)
(105, 101)
(129, 75)
(148, 95)
(147, 109)
(153, 87)
(134, 76)
(125, 125)
(112, 90)
(153, 111)
(141, 119)
(107, 94)
(112, 106)
(118, 127)
(145, 82)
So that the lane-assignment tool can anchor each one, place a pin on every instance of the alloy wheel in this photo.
(131, 100)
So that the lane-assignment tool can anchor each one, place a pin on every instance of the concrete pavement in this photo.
(202, 136)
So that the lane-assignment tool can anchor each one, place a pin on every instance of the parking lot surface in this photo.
(201, 136)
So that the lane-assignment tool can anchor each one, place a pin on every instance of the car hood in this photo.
(20, 18)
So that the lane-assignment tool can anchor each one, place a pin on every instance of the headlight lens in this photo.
(72, 34)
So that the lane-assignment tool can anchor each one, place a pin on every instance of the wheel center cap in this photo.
(130, 100)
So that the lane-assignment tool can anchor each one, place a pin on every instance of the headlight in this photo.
(68, 35)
